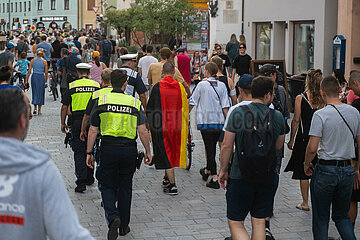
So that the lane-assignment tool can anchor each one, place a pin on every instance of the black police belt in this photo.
(117, 143)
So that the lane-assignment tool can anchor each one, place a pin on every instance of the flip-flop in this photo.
(299, 206)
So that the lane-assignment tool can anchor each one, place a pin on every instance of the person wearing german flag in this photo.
(77, 97)
(168, 116)
(118, 117)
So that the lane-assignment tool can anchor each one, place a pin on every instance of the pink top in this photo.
(351, 96)
(184, 67)
(95, 72)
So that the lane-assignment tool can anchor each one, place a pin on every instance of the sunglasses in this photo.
(218, 49)
(242, 47)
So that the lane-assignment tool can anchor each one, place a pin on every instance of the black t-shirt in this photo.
(242, 64)
(226, 62)
(134, 83)
(57, 49)
(356, 104)
(224, 79)
(113, 46)
(63, 45)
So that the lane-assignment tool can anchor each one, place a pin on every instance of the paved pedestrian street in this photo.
(197, 212)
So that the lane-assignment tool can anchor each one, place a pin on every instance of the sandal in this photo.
(301, 207)
(34, 112)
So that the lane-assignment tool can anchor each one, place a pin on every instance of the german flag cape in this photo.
(168, 116)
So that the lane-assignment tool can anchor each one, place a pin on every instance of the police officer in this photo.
(107, 88)
(117, 116)
(135, 82)
(77, 97)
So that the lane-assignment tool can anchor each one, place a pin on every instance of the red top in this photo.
(184, 67)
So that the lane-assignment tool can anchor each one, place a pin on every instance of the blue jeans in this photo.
(331, 185)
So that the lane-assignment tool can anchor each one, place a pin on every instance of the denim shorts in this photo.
(243, 197)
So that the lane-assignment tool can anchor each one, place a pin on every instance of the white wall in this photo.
(323, 12)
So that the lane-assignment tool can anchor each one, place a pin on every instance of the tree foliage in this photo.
(152, 17)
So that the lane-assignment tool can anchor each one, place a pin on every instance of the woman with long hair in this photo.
(96, 67)
(196, 67)
(38, 80)
(306, 104)
(212, 104)
(232, 49)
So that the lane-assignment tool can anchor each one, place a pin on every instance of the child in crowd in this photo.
(23, 65)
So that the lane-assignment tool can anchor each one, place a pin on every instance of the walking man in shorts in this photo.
(244, 196)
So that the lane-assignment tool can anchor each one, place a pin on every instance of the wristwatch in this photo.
(90, 153)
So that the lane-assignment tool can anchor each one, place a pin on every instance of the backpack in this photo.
(258, 154)
(107, 48)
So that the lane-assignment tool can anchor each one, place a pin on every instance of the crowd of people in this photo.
(110, 97)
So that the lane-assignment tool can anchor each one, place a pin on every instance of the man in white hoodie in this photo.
(34, 203)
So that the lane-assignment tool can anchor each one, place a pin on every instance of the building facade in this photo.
(21, 14)
(301, 32)
(349, 27)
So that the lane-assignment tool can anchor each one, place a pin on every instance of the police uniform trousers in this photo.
(84, 174)
(115, 173)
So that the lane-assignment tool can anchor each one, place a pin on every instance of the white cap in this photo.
(83, 66)
(129, 57)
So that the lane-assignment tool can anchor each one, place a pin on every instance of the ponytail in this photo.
(212, 69)
(97, 61)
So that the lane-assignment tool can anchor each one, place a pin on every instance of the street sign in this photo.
(96, 9)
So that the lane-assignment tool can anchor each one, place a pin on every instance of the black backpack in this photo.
(107, 48)
(258, 154)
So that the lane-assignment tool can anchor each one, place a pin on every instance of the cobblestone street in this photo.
(197, 212)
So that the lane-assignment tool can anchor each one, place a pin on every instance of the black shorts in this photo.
(243, 197)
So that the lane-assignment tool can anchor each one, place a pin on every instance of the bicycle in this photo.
(53, 84)
(190, 148)
(18, 77)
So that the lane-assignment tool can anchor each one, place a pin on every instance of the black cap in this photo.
(267, 68)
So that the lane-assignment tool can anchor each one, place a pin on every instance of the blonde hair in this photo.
(39, 52)
(312, 85)
(106, 75)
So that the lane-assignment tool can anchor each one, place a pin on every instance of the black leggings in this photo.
(210, 138)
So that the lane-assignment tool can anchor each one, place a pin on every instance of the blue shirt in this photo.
(47, 49)
(23, 66)
(5, 86)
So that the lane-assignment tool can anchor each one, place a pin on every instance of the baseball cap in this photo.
(267, 69)
(245, 81)
(10, 45)
(95, 54)
(74, 50)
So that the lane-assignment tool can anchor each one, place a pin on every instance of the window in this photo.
(8, 7)
(12, 7)
(20, 6)
(40, 7)
(66, 5)
(53, 4)
(15, 7)
(24, 6)
(303, 47)
(263, 41)
(3, 7)
(91, 4)
(29, 6)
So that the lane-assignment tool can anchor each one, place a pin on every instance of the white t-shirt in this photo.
(144, 64)
(238, 105)
(209, 114)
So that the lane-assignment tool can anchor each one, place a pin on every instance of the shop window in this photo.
(53, 4)
(40, 6)
(91, 4)
(303, 47)
(263, 41)
(66, 5)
